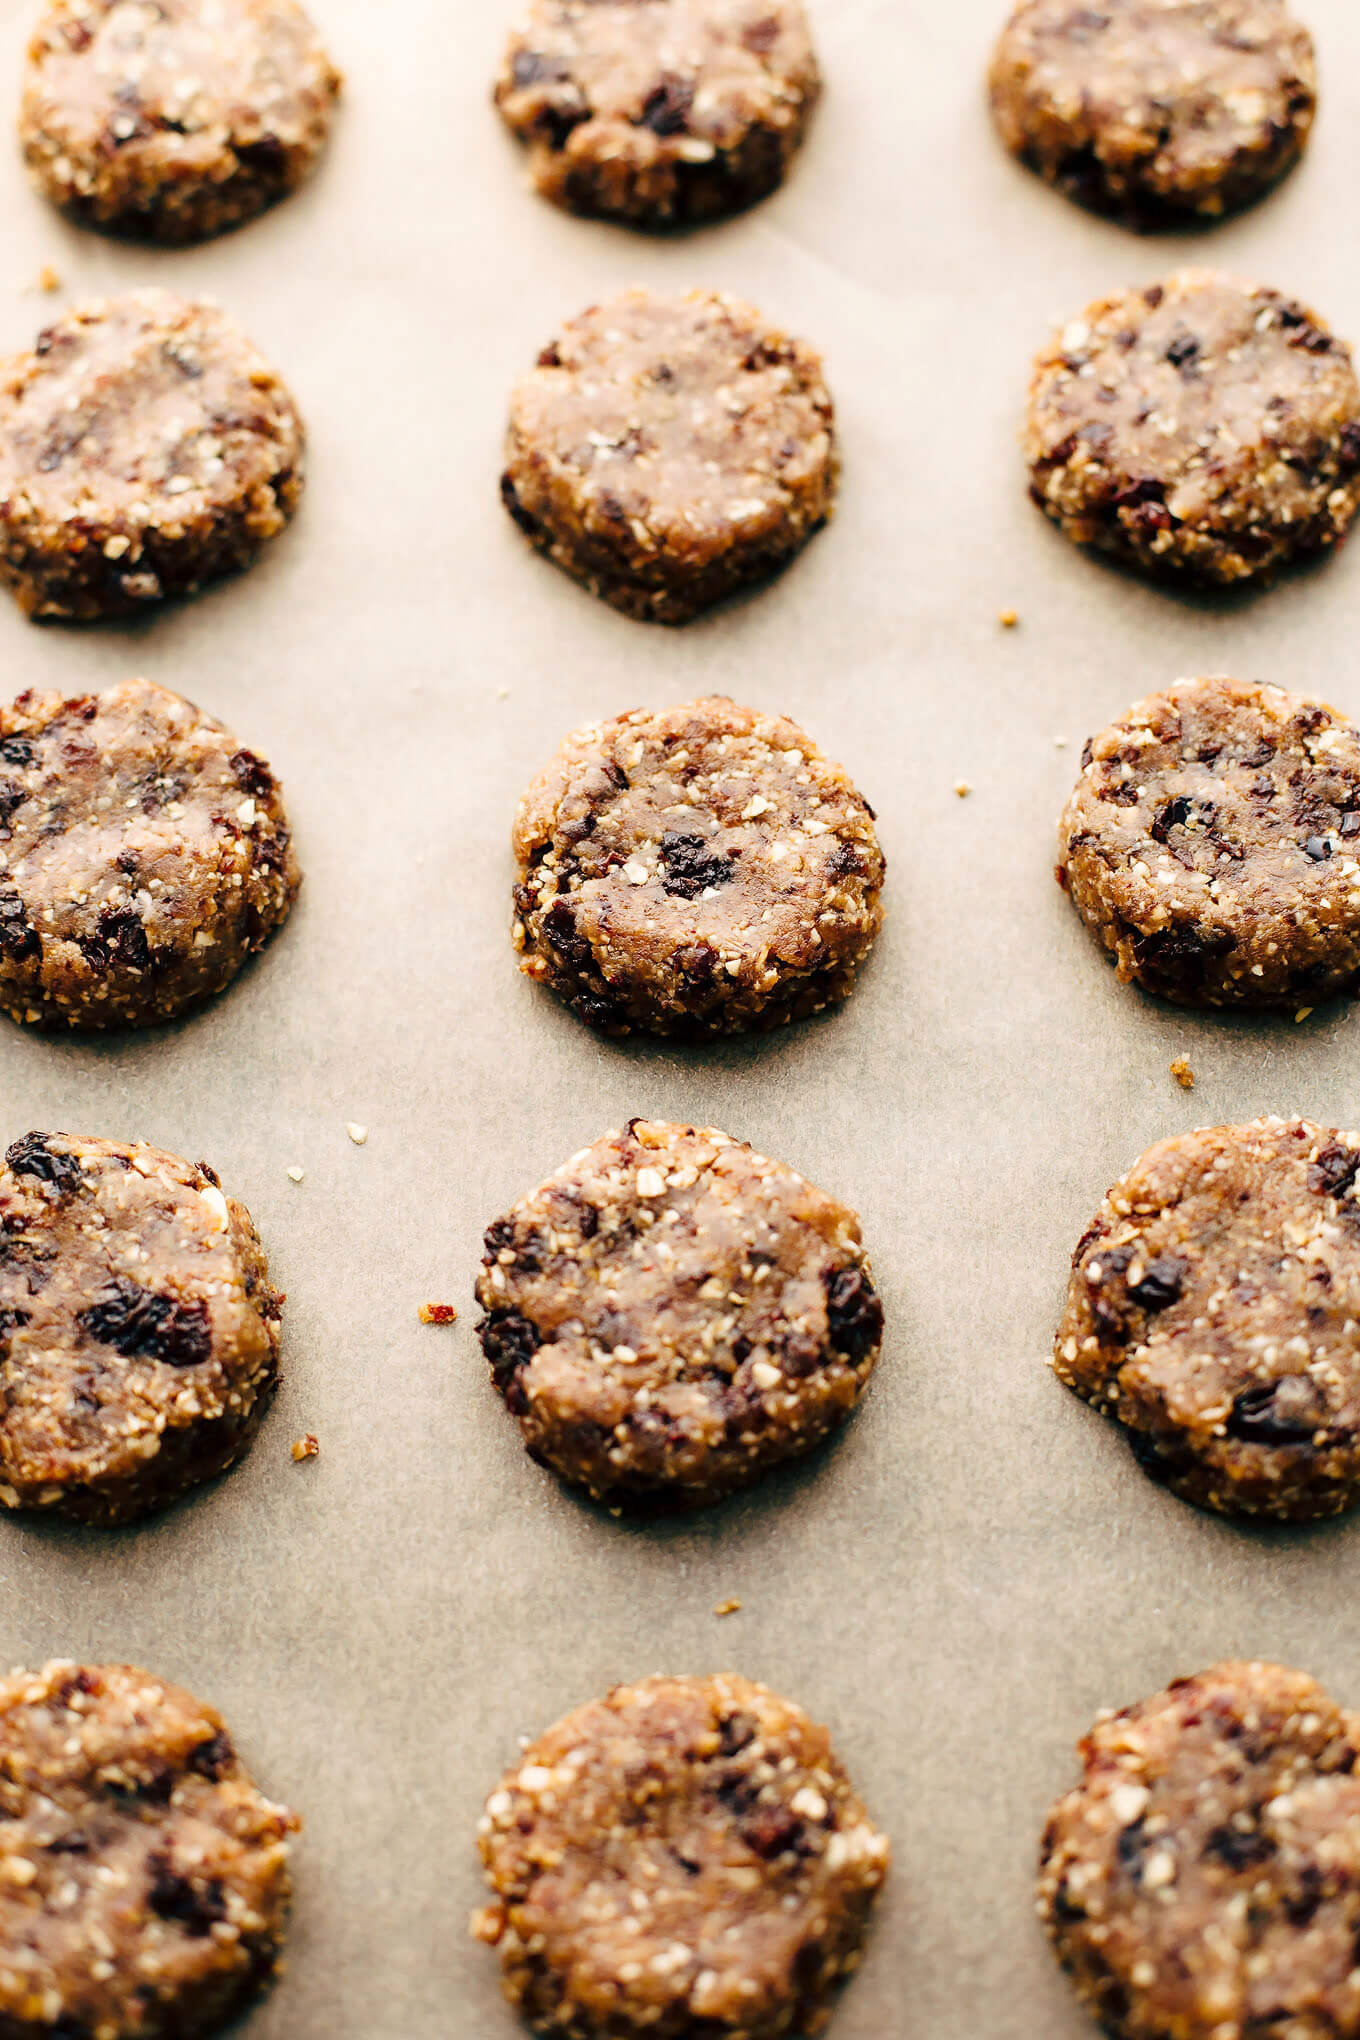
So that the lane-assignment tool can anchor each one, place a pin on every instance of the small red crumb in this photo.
(305, 1448)
(728, 1608)
(1182, 1072)
(438, 1314)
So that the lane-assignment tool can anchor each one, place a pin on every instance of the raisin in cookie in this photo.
(667, 451)
(1202, 427)
(1214, 1312)
(145, 1887)
(145, 447)
(1203, 1880)
(700, 871)
(683, 1857)
(174, 121)
(671, 1314)
(662, 114)
(144, 856)
(1211, 844)
(139, 1331)
(1156, 110)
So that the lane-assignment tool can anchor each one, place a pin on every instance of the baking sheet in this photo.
(977, 1566)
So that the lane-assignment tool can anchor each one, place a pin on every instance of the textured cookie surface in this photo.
(146, 1879)
(685, 1857)
(672, 1313)
(1203, 1881)
(1202, 426)
(1214, 1310)
(175, 120)
(143, 856)
(145, 447)
(667, 451)
(659, 112)
(1154, 109)
(703, 870)
(139, 1331)
(1211, 842)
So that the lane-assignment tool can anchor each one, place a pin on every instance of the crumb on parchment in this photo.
(438, 1314)
(728, 1608)
(305, 1448)
(1182, 1072)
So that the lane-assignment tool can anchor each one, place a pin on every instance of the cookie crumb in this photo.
(305, 1448)
(48, 278)
(962, 789)
(358, 1134)
(438, 1314)
(1008, 619)
(728, 1608)
(295, 1175)
(1182, 1072)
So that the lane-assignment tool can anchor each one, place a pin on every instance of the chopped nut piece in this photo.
(1182, 1072)
(962, 789)
(1008, 619)
(728, 1608)
(48, 279)
(305, 1448)
(358, 1134)
(294, 1175)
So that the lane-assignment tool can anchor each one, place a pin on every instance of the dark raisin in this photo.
(119, 938)
(772, 1831)
(559, 925)
(691, 866)
(666, 110)
(1274, 1413)
(1180, 956)
(252, 775)
(1087, 754)
(736, 1732)
(1183, 351)
(510, 498)
(142, 1325)
(1160, 1284)
(1131, 1849)
(17, 751)
(509, 1342)
(214, 1758)
(196, 1907)
(11, 1321)
(1174, 815)
(499, 1235)
(18, 937)
(1333, 1172)
(1239, 1851)
(1318, 848)
(854, 1314)
(1350, 445)
(72, 1844)
(268, 156)
(34, 1156)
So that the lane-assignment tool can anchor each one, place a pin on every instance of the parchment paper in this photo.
(978, 1565)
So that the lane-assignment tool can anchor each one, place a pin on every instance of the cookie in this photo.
(174, 121)
(685, 1857)
(1213, 844)
(1158, 111)
(1202, 427)
(664, 114)
(667, 451)
(1203, 1880)
(672, 1314)
(1214, 1312)
(702, 870)
(144, 857)
(139, 1331)
(145, 447)
(145, 1891)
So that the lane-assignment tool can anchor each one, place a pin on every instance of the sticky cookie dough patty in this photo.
(139, 1331)
(1155, 109)
(700, 871)
(144, 856)
(145, 447)
(685, 1857)
(1213, 844)
(667, 451)
(662, 113)
(1203, 1880)
(671, 1314)
(177, 120)
(1214, 1312)
(146, 1879)
(1200, 427)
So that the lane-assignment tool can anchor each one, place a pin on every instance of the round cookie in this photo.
(1214, 1312)
(1201, 427)
(685, 1857)
(672, 1314)
(667, 451)
(146, 1884)
(174, 121)
(1156, 110)
(145, 447)
(703, 870)
(662, 114)
(1203, 1881)
(139, 1331)
(1212, 844)
(144, 857)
